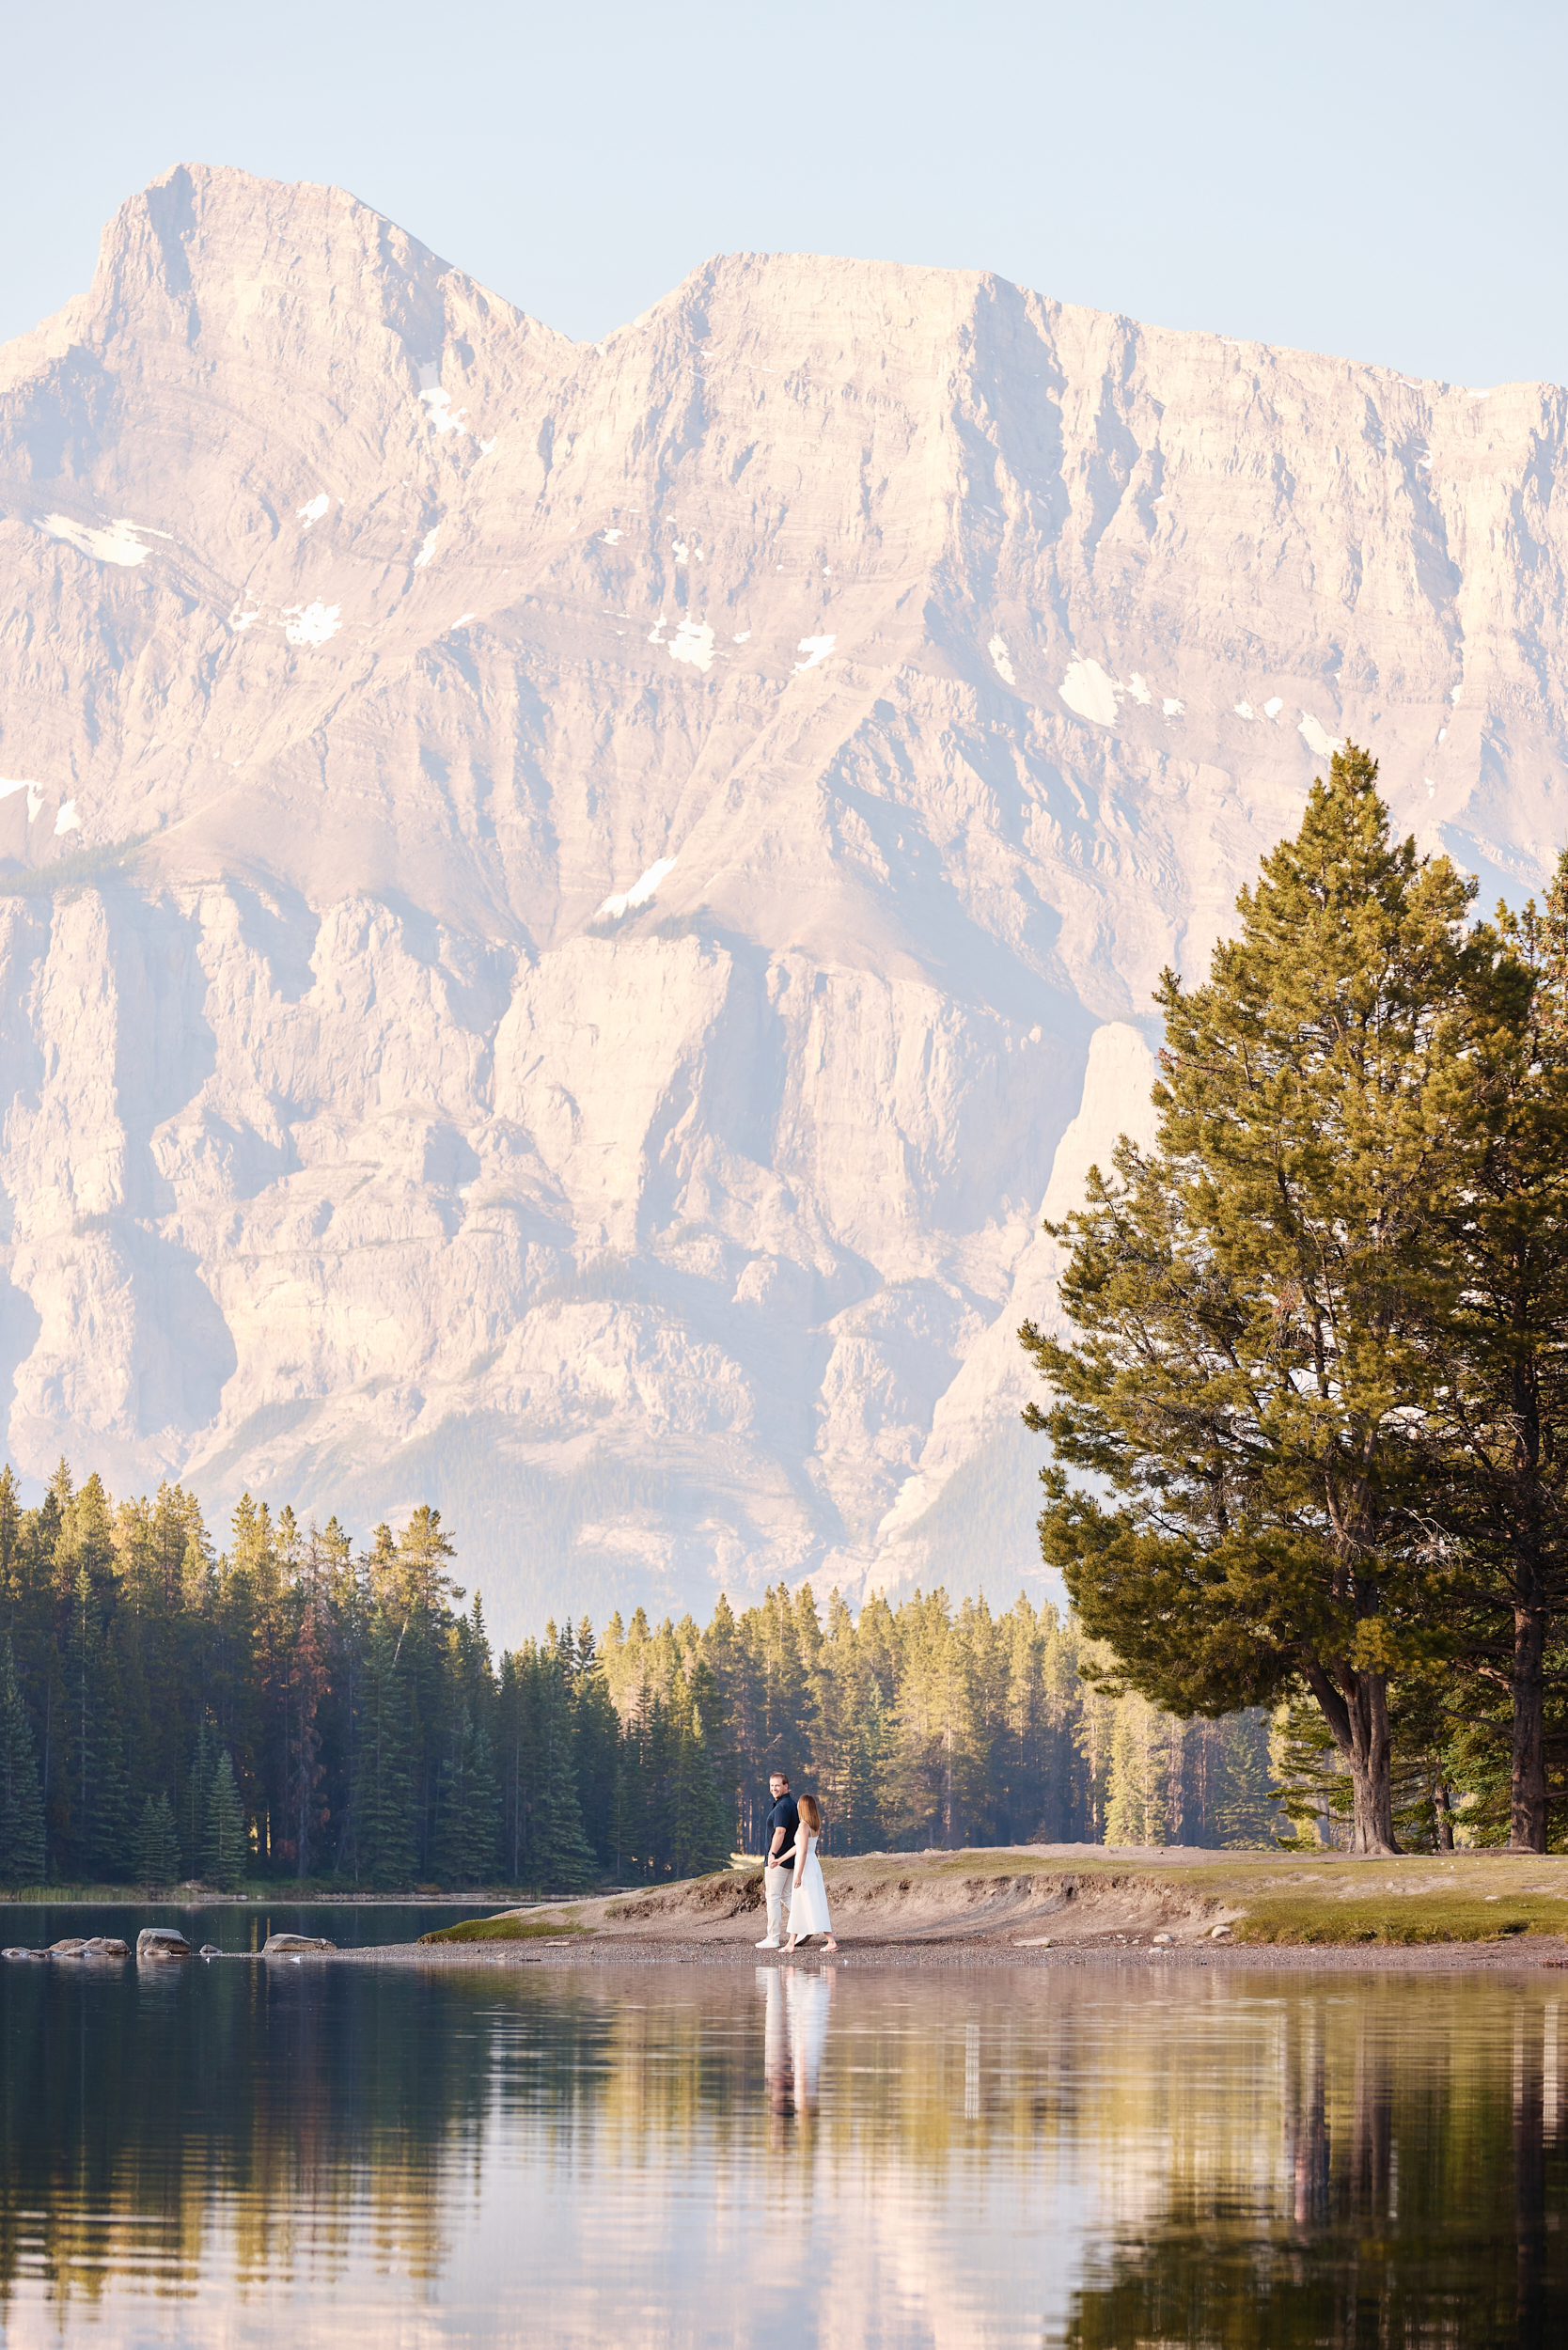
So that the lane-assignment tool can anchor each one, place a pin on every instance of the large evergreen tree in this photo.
(223, 1852)
(1251, 1298)
(698, 1826)
(196, 1793)
(306, 1814)
(561, 1859)
(97, 1836)
(468, 1811)
(21, 1843)
(1495, 1436)
(384, 1827)
(157, 1849)
(596, 1743)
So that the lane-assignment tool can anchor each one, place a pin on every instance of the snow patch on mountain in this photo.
(312, 623)
(692, 642)
(34, 791)
(122, 542)
(1089, 691)
(641, 891)
(1317, 738)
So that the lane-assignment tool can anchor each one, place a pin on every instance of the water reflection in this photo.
(1418, 2194)
(794, 2036)
(224, 2154)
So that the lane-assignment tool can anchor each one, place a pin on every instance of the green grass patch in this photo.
(506, 1930)
(1395, 1919)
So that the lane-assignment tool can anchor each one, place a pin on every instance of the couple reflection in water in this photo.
(797, 2004)
(794, 2036)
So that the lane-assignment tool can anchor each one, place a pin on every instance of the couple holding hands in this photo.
(791, 1873)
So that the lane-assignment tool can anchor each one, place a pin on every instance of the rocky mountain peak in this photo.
(568, 899)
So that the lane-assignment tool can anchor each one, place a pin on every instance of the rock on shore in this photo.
(157, 1943)
(77, 1945)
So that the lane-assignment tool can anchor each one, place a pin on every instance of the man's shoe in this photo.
(769, 1942)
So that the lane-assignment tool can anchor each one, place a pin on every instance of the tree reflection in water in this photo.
(1424, 2190)
(1131, 2155)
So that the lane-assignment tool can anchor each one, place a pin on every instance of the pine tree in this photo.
(384, 1828)
(1496, 1441)
(1252, 1297)
(223, 1848)
(1247, 1812)
(1137, 1779)
(595, 1745)
(157, 1845)
(1310, 1783)
(21, 1837)
(304, 1771)
(698, 1829)
(468, 1815)
(198, 1792)
(99, 1793)
(561, 1857)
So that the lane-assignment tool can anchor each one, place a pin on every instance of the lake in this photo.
(232, 2152)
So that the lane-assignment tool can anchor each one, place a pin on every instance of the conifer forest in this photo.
(295, 1707)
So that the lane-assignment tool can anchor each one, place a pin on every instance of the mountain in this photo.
(563, 906)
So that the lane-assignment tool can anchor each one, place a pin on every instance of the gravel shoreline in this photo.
(1525, 1954)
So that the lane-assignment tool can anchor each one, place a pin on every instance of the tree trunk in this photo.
(1358, 1717)
(1442, 1805)
(1528, 1815)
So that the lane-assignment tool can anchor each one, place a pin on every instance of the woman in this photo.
(808, 1898)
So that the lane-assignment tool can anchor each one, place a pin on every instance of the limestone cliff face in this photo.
(640, 844)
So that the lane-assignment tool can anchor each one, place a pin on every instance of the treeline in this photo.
(296, 1708)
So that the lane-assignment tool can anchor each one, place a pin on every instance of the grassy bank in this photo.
(1031, 1897)
(510, 1928)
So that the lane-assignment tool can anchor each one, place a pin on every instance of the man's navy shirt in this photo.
(785, 1816)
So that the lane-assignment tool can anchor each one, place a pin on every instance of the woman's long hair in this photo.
(811, 1813)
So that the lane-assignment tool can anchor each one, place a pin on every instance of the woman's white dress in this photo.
(808, 1900)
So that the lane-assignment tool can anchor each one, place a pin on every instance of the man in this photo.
(778, 1856)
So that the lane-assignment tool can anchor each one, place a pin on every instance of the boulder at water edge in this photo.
(291, 1945)
(161, 1942)
(78, 1945)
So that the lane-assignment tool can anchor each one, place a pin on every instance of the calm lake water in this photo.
(235, 2153)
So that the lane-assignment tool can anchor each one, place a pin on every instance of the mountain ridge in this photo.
(648, 847)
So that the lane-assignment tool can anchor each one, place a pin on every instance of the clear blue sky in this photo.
(1382, 179)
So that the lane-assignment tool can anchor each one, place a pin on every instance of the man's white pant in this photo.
(777, 1887)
